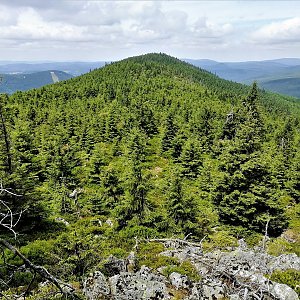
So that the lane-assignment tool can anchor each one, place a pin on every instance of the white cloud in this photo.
(30, 26)
(209, 29)
(127, 22)
(278, 32)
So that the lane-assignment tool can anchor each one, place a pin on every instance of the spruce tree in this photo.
(176, 205)
(168, 134)
(190, 159)
(245, 193)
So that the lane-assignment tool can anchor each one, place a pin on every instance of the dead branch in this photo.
(8, 218)
(179, 241)
(64, 288)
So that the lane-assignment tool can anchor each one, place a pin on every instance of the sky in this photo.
(61, 30)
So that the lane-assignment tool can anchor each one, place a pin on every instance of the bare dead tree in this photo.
(266, 237)
(179, 241)
(9, 220)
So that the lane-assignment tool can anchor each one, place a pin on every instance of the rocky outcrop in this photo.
(96, 287)
(179, 281)
(115, 266)
(141, 285)
(235, 275)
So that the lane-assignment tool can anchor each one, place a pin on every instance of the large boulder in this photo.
(283, 292)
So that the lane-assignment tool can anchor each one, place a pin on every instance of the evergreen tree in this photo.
(182, 210)
(5, 147)
(190, 159)
(168, 134)
(245, 193)
(135, 204)
(112, 119)
(176, 205)
(111, 190)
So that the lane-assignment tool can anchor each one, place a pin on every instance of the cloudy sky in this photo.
(59, 30)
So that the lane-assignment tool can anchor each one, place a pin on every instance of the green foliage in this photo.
(254, 239)
(190, 159)
(149, 255)
(40, 252)
(246, 194)
(156, 146)
(281, 246)
(219, 239)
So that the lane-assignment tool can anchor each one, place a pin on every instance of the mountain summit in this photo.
(147, 147)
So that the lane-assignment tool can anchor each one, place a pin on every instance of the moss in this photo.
(50, 292)
(149, 255)
(178, 294)
(185, 268)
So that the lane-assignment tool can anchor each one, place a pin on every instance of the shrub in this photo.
(39, 251)
(220, 239)
(281, 246)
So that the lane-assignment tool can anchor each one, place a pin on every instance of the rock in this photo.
(114, 266)
(187, 253)
(283, 292)
(233, 262)
(233, 275)
(179, 281)
(109, 222)
(143, 285)
(279, 291)
(284, 262)
(196, 292)
(213, 289)
(62, 220)
(96, 286)
(242, 244)
(212, 293)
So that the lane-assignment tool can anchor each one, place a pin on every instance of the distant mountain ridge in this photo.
(278, 75)
(73, 68)
(11, 83)
(22, 76)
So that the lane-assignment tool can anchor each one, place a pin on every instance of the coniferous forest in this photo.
(145, 148)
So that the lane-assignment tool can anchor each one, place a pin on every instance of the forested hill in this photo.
(157, 148)
(11, 83)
